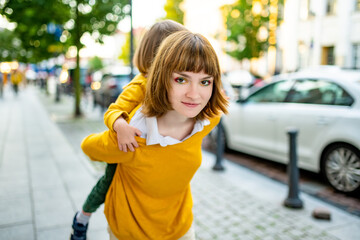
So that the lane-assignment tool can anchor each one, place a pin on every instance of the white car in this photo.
(323, 105)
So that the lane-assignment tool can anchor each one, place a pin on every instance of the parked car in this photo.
(240, 77)
(108, 84)
(242, 81)
(323, 105)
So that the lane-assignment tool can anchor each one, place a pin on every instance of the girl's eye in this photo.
(205, 82)
(180, 80)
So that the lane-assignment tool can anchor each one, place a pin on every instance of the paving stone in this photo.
(15, 210)
(55, 233)
(18, 232)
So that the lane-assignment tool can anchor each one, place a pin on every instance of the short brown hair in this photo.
(150, 42)
(183, 52)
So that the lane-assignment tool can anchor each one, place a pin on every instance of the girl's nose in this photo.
(193, 91)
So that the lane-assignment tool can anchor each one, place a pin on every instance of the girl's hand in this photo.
(126, 135)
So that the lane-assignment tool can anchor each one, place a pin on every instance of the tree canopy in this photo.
(173, 10)
(251, 26)
(48, 27)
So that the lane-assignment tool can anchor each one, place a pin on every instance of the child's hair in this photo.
(150, 42)
(183, 52)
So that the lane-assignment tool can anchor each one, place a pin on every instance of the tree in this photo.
(10, 46)
(71, 18)
(125, 53)
(251, 26)
(173, 10)
(31, 27)
(95, 64)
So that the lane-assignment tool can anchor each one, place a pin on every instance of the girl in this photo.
(116, 116)
(149, 197)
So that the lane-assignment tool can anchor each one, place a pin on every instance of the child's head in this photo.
(183, 52)
(151, 41)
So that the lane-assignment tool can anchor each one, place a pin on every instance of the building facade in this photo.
(319, 32)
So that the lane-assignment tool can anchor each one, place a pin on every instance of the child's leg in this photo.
(98, 193)
(93, 201)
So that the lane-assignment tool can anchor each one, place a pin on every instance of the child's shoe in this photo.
(78, 230)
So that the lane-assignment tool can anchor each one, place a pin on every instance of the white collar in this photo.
(149, 128)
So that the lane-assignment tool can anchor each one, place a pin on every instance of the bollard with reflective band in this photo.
(219, 149)
(293, 200)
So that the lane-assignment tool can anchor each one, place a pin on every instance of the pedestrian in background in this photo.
(117, 115)
(150, 197)
(16, 78)
(1, 84)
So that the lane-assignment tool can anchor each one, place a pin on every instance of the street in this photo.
(50, 169)
(310, 183)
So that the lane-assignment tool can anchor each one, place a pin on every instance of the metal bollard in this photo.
(293, 200)
(57, 93)
(219, 149)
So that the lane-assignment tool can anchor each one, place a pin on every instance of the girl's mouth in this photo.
(190, 105)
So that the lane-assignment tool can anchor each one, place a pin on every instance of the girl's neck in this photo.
(175, 126)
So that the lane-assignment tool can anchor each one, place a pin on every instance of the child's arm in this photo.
(117, 115)
(125, 135)
(131, 96)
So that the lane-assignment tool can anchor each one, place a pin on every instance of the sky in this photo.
(145, 14)
(198, 18)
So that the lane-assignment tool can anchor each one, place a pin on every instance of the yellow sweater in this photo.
(150, 196)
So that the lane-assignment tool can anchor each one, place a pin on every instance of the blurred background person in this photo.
(1, 84)
(16, 79)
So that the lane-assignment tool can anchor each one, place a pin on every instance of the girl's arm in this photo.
(103, 147)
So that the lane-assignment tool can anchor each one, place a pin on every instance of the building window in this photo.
(356, 56)
(328, 56)
(330, 7)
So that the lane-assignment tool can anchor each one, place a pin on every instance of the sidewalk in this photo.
(44, 179)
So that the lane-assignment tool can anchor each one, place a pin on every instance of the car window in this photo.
(275, 92)
(315, 91)
(122, 81)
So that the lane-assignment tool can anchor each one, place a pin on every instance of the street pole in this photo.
(131, 44)
(293, 200)
(219, 149)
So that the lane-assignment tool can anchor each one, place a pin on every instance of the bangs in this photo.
(194, 55)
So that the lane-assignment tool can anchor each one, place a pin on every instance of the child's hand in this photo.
(126, 135)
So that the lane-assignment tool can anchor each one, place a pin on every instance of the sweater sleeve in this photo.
(103, 147)
(131, 96)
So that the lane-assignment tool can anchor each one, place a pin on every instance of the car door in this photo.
(310, 108)
(251, 125)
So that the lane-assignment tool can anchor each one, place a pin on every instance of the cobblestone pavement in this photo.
(233, 204)
(236, 214)
(309, 182)
(230, 205)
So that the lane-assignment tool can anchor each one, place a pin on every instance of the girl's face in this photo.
(190, 92)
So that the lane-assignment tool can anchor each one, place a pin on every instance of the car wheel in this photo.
(341, 167)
